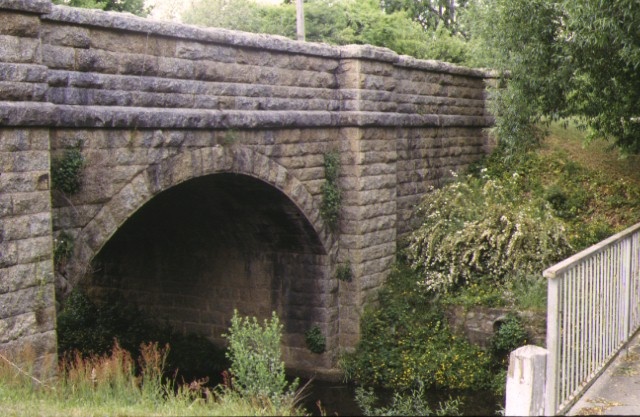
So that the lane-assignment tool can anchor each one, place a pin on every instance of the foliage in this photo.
(339, 22)
(89, 328)
(344, 272)
(478, 228)
(315, 340)
(62, 249)
(406, 342)
(257, 370)
(565, 58)
(66, 172)
(519, 293)
(331, 194)
(508, 337)
(116, 384)
(476, 294)
(430, 13)
(594, 193)
(245, 15)
(136, 7)
(527, 292)
(413, 403)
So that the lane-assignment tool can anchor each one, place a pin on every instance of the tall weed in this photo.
(257, 370)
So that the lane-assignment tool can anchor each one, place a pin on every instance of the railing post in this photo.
(628, 263)
(526, 381)
(553, 344)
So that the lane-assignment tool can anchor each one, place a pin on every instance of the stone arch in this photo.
(178, 169)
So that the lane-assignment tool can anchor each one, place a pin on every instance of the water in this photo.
(338, 400)
(335, 399)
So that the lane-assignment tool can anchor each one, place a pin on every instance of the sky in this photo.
(167, 9)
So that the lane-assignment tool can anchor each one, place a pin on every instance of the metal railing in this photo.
(593, 310)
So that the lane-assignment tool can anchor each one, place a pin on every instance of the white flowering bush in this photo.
(482, 228)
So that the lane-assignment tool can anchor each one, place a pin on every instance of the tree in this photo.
(136, 7)
(245, 15)
(338, 22)
(568, 58)
(429, 13)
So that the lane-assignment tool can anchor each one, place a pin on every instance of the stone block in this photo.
(22, 276)
(137, 64)
(175, 68)
(93, 60)
(25, 301)
(24, 161)
(8, 254)
(23, 73)
(19, 50)
(13, 91)
(59, 57)
(65, 35)
(199, 51)
(24, 227)
(20, 25)
(34, 249)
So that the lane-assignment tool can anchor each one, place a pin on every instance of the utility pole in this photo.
(300, 20)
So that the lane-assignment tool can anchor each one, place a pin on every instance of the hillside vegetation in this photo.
(483, 241)
(591, 186)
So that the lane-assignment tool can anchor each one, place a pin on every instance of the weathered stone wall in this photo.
(27, 312)
(480, 324)
(164, 112)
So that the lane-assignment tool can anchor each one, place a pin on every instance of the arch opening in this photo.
(212, 244)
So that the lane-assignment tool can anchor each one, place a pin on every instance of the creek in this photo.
(338, 399)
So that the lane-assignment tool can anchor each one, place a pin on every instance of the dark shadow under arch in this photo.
(197, 251)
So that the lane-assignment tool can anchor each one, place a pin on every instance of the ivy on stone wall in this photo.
(66, 171)
(62, 250)
(315, 340)
(344, 272)
(331, 194)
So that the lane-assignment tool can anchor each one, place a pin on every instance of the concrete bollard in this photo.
(526, 380)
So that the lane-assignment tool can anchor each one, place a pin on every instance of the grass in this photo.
(597, 155)
(116, 385)
(610, 179)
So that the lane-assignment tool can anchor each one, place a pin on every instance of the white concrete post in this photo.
(526, 380)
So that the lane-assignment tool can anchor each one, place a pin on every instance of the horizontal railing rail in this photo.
(593, 310)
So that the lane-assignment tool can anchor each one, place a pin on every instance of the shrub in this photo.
(331, 194)
(412, 403)
(406, 342)
(481, 227)
(257, 370)
(344, 272)
(66, 172)
(62, 249)
(476, 294)
(315, 340)
(509, 336)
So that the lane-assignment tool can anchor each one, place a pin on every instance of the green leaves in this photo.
(341, 22)
(136, 7)
(66, 172)
(256, 366)
(331, 193)
(479, 227)
(565, 58)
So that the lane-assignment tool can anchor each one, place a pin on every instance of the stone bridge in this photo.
(202, 184)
